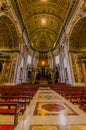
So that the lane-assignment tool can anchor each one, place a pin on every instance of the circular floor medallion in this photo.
(53, 107)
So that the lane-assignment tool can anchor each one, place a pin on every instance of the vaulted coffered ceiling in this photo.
(78, 36)
(43, 20)
(8, 38)
(8, 34)
(78, 39)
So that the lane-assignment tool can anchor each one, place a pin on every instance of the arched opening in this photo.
(78, 36)
(9, 45)
(77, 48)
(8, 34)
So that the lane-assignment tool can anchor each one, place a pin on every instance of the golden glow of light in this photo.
(79, 127)
(4, 1)
(44, 0)
(42, 62)
(43, 21)
(63, 118)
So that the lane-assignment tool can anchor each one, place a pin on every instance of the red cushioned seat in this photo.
(6, 127)
(7, 111)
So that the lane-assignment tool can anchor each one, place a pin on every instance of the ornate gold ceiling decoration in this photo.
(8, 34)
(78, 36)
(43, 20)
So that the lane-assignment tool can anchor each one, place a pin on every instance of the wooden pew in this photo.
(9, 109)
(22, 101)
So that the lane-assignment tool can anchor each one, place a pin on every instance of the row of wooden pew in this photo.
(13, 101)
(76, 94)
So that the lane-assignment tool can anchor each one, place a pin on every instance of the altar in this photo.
(43, 82)
(44, 72)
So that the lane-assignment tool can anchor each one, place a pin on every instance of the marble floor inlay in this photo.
(53, 108)
(77, 127)
(46, 92)
(44, 127)
(50, 111)
(48, 97)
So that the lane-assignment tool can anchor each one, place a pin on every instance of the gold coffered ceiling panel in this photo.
(43, 20)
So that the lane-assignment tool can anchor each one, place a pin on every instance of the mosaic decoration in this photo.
(44, 127)
(77, 127)
(53, 108)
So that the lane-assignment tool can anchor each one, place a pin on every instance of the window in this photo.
(29, 59)
(57, 59)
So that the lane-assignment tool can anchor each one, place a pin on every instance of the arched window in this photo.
(29, 59)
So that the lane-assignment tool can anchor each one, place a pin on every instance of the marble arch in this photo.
(8, 34)
(78, 36)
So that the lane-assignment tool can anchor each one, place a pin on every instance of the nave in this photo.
(42, 64)
(50, 111)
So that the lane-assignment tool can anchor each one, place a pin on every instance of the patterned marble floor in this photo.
(49, 111)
